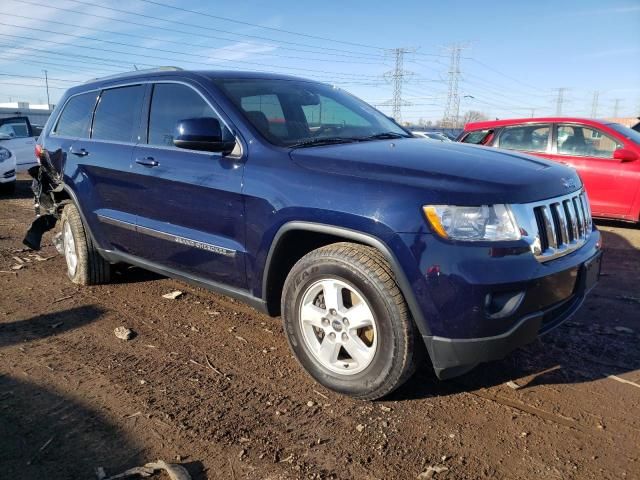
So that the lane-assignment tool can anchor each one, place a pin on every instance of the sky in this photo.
(514, 58)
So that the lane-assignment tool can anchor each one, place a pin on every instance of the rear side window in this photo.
(75, 119)
(171, 103)
(117, 116)
(529, 138)
(478, 137)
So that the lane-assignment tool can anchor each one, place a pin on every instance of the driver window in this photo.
(172, 102)
(15, 129)
(585, 142)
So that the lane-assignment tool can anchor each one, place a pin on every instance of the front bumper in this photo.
(453, 357)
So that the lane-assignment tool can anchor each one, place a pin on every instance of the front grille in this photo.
(556, 226)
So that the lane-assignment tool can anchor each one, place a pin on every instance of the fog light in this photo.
(503, 304)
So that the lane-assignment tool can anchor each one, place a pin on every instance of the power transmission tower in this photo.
(594, 104)
(46, 81)
(397, 77)
(452, 110)
(616, 107)
(560, 101)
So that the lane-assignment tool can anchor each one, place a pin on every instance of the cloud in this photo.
(609, 10)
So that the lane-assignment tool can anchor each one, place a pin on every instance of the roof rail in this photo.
(136, 72)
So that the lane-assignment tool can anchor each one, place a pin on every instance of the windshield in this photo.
(626, 132)
(293, 113)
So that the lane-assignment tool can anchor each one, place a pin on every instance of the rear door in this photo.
(590, 151)
(99, 167)
(189, 204)
(18, 137)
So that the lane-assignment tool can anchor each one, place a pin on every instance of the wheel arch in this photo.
(273, 276)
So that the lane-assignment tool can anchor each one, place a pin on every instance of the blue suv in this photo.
(375, 247)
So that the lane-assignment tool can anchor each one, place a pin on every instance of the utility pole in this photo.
(533, 112)
(616, 107)
(452, 110)
(397, 77)
(594, 104)
(560, 101)
(46, 81)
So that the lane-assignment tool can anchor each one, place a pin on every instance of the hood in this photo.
(452, 173)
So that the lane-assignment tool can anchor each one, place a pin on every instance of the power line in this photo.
(226, 19)
(177, 22)
(179, 60)
(334, 52)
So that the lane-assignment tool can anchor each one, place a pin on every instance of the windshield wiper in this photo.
(383, 136)
(322, 141)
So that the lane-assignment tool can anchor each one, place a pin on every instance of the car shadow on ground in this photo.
(47, 325)
(600, 340)
(48, 435)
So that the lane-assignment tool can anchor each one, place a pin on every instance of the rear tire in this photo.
(85, 266)
(347, 321)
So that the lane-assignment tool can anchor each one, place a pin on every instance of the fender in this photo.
(360, 237)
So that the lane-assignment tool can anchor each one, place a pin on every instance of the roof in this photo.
(521, 121)
(168, 72)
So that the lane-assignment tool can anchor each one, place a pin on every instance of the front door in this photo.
(190, 210)
(16, 135)
(590, 152)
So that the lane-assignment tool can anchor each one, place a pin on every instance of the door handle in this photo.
(80, 153)
(147, 162)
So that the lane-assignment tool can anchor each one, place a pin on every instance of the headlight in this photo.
(488, 223)
(4, 154)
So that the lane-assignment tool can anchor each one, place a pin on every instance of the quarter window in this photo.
(582, 141)
(75, 119)
(529, 138)
(117, 116)
(171, 103)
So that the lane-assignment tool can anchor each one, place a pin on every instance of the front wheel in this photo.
(347, 321)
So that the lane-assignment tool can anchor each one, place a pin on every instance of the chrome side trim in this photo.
(209, 247)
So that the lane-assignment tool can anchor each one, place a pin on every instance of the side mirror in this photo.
(625, 155)
(203, 133)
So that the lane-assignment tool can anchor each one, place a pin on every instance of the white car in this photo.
(437, 136)
(19, 136)
(7, 171)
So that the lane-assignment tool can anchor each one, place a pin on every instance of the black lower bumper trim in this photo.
(453, 357)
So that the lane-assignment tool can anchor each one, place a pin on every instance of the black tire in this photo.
(91, 268)
(366, 270)
(8, 188)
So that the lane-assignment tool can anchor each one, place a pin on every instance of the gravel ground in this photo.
(210, 383)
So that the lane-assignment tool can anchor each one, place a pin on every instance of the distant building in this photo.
(37, 114)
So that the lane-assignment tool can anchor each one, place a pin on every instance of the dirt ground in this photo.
(211, 384)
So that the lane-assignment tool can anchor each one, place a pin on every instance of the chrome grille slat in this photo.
(556, 226)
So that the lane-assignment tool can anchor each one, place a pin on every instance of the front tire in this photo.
(85, 266)
(347, 321)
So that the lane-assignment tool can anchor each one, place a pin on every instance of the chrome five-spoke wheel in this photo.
(338, 326)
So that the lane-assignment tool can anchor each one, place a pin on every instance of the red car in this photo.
(607, 155)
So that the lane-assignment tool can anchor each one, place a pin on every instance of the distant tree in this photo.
(473, 116)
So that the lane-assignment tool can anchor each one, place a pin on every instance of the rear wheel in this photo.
(85, 266)
(347, 321)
